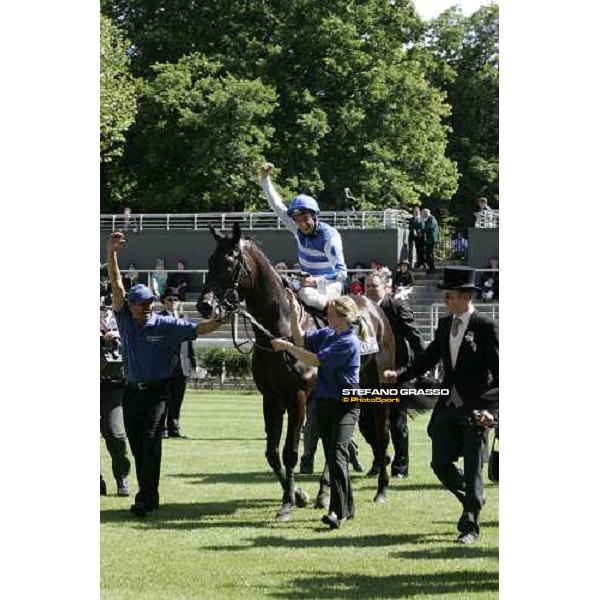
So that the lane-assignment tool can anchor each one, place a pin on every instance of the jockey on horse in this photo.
(320, 251)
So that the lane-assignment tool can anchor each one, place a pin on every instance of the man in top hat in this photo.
(467, 344)
(182, 363)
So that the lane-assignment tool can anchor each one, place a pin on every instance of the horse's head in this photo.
(226, 269)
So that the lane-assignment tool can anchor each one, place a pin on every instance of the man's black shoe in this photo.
(102, 486)
(306, 469)
(397, 475)
(138, 509)
(332, 520)
(177, 434)
(467, 537)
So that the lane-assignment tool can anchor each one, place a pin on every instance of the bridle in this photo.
(232, 305)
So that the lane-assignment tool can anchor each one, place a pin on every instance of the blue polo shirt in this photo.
(148, 350)
(339, 354)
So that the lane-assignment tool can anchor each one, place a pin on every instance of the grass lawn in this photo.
(215, 535)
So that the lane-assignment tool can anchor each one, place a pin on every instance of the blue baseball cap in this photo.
(140, 293)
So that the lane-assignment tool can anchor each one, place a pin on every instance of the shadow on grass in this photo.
(226, 439)
(324, 585)
(189, 516)
(481, 523)
(457, 551)
(328, 540)
(243, 478)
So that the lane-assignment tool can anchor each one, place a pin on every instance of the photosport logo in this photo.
(387, 394)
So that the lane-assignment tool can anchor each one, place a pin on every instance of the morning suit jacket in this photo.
(477, 364)
(184, 358)
(405, 330)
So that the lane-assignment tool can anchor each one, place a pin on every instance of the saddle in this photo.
(320, 318)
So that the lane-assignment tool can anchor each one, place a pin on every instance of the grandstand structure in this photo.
(383, 227)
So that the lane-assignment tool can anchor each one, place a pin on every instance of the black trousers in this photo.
(311, 436)
(398, 433)
(143, 410)
(452, 436)
(171, 416)
(429, 254)
(419, 247)
(112, 428)
(336, 422)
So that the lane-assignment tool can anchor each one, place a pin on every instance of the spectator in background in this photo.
(179, 280)
(489, 282)
(281, 267)
(112, 385)
(128, 224)
(431, 233)
(130, 276)
(482, 204)
(416, 243)
(460, 246)
(183, 361)
(355, 287)
(158, 278)
(403, 281)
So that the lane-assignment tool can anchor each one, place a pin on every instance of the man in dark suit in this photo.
(416, 241)
(467, 344)
(184, 359)
(405, 334)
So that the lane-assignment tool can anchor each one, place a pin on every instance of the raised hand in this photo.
(266, 170)
(116, 241)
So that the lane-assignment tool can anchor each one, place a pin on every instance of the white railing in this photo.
(365, 219)
(487, 219)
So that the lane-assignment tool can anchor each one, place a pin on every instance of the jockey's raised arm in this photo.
(320, 249)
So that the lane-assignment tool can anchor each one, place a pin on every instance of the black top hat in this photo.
(170, 291)
(458, 278)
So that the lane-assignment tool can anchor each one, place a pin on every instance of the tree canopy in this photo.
(337, 94)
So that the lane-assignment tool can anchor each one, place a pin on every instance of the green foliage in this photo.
(461, 54)
(117, 91)
(213, 359)
(338, 94)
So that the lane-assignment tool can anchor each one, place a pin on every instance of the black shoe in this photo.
(306, 469)
(397, 475)
(467, 537)
(102, 486)
(332, 520)
(177, 434)
(123, 487)
(138, 509)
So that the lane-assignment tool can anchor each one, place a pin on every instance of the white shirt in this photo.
(456, 341)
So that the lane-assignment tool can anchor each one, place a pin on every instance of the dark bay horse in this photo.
(239, 271)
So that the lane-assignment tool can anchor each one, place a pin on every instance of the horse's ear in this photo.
(216, 233)
(237, 233)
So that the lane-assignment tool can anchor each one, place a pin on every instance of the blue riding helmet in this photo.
(303, 203)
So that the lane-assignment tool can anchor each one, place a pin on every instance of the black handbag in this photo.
(494, 460)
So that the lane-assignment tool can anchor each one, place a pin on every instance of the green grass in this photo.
(215, 535)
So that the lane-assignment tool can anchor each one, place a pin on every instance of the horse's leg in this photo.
(273, 416)
(382, 433)
(322, 500)
(291, 494)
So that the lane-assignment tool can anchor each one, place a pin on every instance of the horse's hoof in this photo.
(380, 498)
(322, 501)
(302, 498)
(285, 513)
